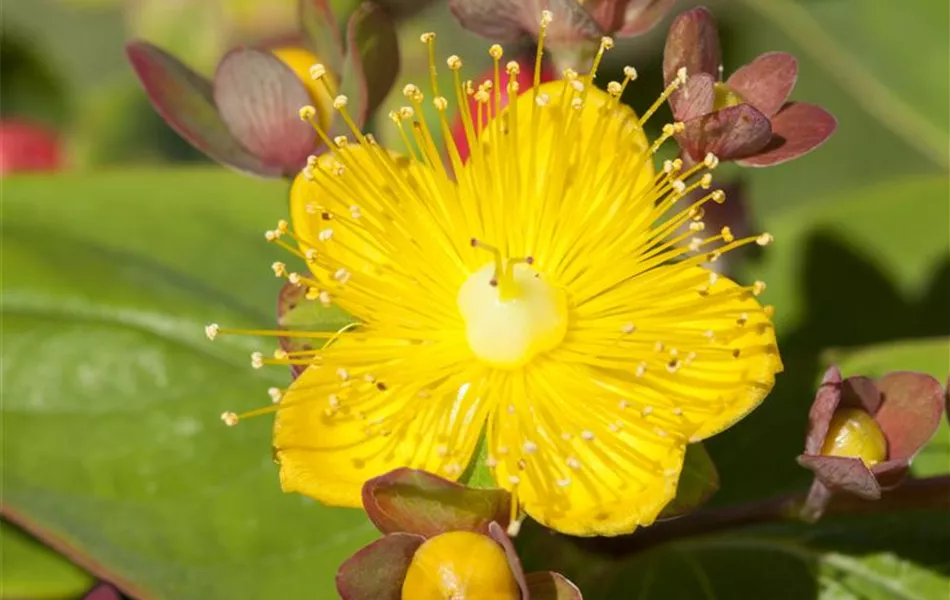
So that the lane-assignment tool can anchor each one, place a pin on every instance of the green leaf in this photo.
(698, 482)
(890, 74)
(890, 557)
(28, 569)
(112, 394)
(926, 356)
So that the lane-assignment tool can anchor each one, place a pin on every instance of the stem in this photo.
(932, 493)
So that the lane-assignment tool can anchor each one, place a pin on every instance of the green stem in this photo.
(932, 493)
(796, 22)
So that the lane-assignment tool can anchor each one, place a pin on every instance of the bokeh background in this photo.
(122, 242)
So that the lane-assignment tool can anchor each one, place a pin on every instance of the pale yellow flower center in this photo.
(511, 314)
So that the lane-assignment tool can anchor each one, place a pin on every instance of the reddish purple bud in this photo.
(766, 82)
(259, 98)
(417, 502)
(185, 100)
(627, 18)
(498, 534)
(508, 20)
(377, 571)
(893, 418)
(693, 42)
(730, 133)
(911, 408)
(797, 129)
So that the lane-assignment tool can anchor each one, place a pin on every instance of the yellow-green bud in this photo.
(855, 434)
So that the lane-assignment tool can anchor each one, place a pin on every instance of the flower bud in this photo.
(853, 433)
(460, 564)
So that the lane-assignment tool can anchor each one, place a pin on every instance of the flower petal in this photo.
(259, 97)
(372, 406)
(700, 354)
(797, 129)
(185, 100)
(843, 474)
(695, 99)
(693, 42)
(910, 413)
(730, 133)
(377, 571)
(766, 82)
(575, 459)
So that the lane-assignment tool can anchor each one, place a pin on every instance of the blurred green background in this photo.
(112, 450)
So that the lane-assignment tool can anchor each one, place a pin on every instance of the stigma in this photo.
(512, 314)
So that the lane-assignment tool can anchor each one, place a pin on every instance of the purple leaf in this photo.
(840, 473)
(547, 585)
(910, 412)
(730, 133)
(823, 409)
(497, 533)
(766, 82)
(418, 502)
(259, 98)
(643, 15)
(371, 63)
(693, 42)
(321, 33)
(185, 100)
(377, 571)
(797, 129)
(694, 99)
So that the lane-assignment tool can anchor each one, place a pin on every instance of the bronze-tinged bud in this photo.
(863, 433)
(460, 564)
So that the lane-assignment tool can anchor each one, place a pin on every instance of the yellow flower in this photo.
(543, 297)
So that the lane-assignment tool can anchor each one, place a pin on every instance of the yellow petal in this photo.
(372, 406)
(577, 461)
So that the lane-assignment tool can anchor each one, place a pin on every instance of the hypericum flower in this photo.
(540, 298)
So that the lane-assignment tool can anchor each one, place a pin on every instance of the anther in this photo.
(765, 239)
(343, 374)
(705, 181)
(257, 360)
(514, 479)
(587, 435)
(614, 88)
(628, 328)
(573, 463)
(641, 369)
(340, 101)
(340, 141)
(542, 99)
(275, 394)
(678, 186)
(317, 71)
(440, 103)
(607, 42)
(294, 278)
(711, 161)
(496, 51)
(410, 91)
(279, 269)
(546, 18)
(529, 447)
(630, 73)
(212, 331)
(681, 75)
(758, 287)
(454, 62)
(427, 37)
(230, 419)
(513, 68)
(623, 404)
(406, 112)
(727, 234)
(570, 74)
(577, 104)
(647, 411)
(280, 354)
(718, 196)
(307, 112)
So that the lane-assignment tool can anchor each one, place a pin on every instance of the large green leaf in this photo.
(112, 443)
(28, 569)
(898, 557)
